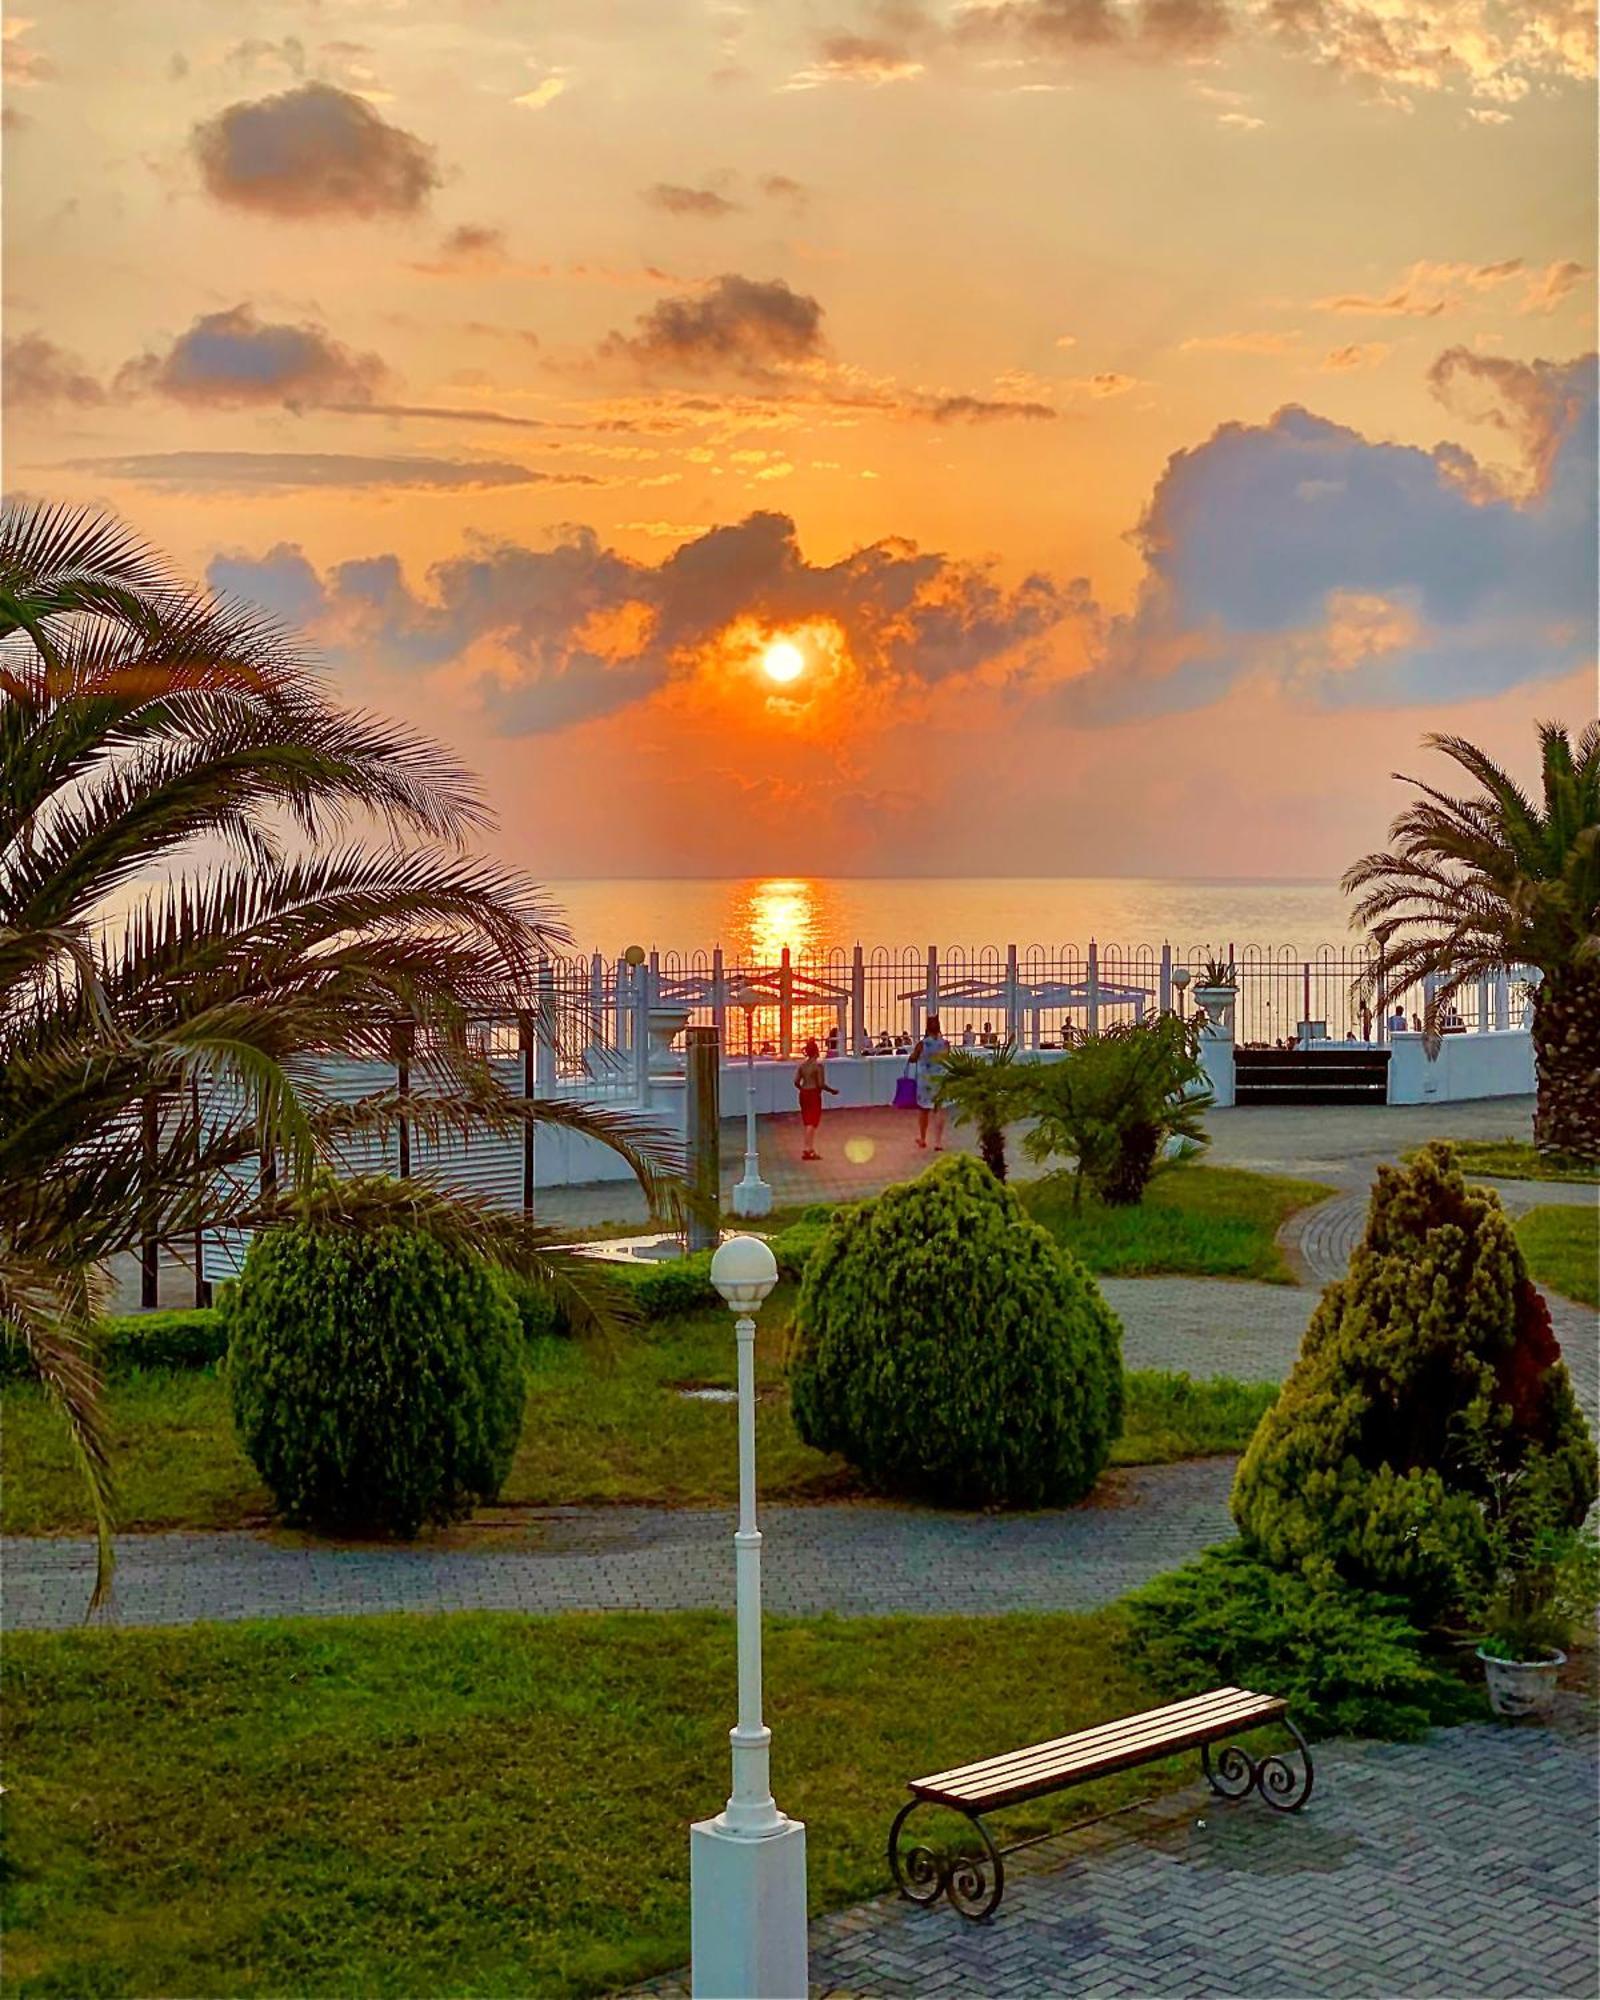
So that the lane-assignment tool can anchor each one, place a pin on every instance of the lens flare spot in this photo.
(859, 1150)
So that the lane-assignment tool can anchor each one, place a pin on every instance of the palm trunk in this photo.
(1566, 1054)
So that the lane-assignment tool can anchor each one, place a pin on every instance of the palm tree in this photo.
(1495, 879)
(164, 1042)
(986, 1091)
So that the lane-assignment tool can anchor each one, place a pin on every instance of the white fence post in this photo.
(546, 1032)
(785, 1004)
(1013, 997)
(1092, 984)
(933, 979)
(1164, 994)
(858, 999)
(719, 999)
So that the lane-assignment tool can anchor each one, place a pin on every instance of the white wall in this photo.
(1496, 1064)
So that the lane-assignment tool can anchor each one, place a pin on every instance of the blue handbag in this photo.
(905, 1092)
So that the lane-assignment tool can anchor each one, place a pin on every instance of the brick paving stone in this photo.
(1188, 1898)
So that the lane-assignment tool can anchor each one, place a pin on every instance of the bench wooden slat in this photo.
(1112, 1747)
(1176, 1716)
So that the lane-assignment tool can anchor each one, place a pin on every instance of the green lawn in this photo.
(474, 1804)
(1195, 1221)
(1562, 1246)
(602, 1425)
(1516, 1160)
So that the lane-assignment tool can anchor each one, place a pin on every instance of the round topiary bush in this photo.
(376, 1378)
(1429, 1400)
(949, 1347)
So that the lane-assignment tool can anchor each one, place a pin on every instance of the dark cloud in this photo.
(677, 200)
(579, 630)
(743, 326)
(256, 471)
(982, 409)
(311, 151)
(234, 359)
(781, 187)
(470, 249)
(40, 375)
(1302, 554)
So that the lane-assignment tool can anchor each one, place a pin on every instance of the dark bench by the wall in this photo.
(974, 1883)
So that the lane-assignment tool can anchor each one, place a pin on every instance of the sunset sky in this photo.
(1145, 418)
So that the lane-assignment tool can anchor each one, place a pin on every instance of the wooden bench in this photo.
(974, 1883)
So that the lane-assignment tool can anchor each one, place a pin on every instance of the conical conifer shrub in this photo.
(1429, 1385)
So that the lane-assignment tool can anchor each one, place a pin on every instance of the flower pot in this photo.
(1218, 1002)
(1521, 1687)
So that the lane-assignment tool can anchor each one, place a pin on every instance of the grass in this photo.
(602, 1426)
(475, 1804)
(1516, 1160)
(1562, 1246)
(1195, 1221)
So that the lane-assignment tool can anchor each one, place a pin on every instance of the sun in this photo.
(783, 662)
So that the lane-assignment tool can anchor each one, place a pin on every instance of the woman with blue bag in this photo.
(927, 1059)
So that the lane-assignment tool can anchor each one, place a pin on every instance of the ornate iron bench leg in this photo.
(1235, 1772)
(971, 1883)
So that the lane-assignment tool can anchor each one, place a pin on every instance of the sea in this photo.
(753, 918)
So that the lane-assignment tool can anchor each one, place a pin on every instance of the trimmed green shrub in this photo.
(376, 1378)
(1429, 1385)
(192, 1338)
(1348, 1662)
(538, 1310)
(949, 1347)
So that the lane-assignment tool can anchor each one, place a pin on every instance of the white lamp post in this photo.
(751, 1196)
(1180, 979)
(747, 1867)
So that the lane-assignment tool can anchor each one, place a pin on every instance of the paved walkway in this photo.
(852, 1560)
(1465, 1865)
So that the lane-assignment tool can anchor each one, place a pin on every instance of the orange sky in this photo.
(1147, 419)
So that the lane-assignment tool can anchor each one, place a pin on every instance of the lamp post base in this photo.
(748, 1912)
(751, 1196)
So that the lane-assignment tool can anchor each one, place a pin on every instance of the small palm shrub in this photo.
(948, 1347)
(376, 1377)
(1429, 1410)
(1112, 1101)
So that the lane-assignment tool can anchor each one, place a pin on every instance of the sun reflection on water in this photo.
(780, 911)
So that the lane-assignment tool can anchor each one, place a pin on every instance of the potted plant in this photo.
(1215, 991)
(1546, 1583)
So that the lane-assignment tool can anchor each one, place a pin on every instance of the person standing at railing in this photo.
(927, 1059)
(810, 1081)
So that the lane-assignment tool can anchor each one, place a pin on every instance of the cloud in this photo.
(233, 359)
(1547, 288)
(1540, 405)
(40, 375)
(1260, 342)
(674, 199)
(313, 151)
(743, 326)
(1426, 290)
(578, 630)
(1298, 554)
(1498, 53)
(782, 187)
(983, 409)
(276, 471)
(23, 67)
(471, 249)
(869, 59)
(544, 93)
(1358, 354)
